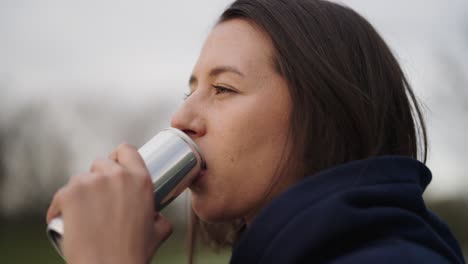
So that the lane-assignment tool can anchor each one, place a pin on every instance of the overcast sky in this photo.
(142, 52)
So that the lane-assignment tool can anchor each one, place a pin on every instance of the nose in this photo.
(190, 118)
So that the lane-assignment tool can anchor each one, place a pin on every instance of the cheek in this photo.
(244, 159)
(245, 140)
(251, 140)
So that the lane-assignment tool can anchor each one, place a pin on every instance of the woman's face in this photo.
(237, 112)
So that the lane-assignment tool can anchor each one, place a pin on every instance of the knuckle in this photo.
(97, 178)
(77, 181)
(95, 164)
(125, 147)
(84, 184)
(73, 179)
(120, 172)
(87, 180)
(74, 188)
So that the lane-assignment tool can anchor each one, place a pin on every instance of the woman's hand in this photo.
(108, 213)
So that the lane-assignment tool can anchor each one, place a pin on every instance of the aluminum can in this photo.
(173, 161)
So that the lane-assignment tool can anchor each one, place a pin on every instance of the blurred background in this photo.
(79, 77)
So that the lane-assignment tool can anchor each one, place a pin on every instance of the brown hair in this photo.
(350, 98)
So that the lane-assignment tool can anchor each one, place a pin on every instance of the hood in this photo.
(366, 210)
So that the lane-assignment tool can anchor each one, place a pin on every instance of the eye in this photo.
(222, 89)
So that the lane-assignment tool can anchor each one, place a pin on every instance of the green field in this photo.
(26, 242)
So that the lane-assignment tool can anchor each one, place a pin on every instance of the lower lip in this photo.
(200, 175)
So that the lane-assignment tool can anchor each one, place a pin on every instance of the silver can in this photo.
(173, 161)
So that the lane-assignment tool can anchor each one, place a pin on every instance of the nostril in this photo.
(189, 132)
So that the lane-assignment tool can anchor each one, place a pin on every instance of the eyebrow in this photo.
(217, 71)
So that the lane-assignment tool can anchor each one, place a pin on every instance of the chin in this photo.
(210, 211)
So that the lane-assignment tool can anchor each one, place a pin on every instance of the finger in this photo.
(104, 166)
(128, 156)
(58, 201)
(162, 229)
(55, 206)
(113, 155)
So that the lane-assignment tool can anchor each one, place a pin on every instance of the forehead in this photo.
(239, 43)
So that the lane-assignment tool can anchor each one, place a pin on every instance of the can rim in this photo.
(187, 139)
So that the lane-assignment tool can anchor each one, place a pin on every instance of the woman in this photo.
(310, 134)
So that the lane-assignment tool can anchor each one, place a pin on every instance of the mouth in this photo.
(200, 175)
(203, 168)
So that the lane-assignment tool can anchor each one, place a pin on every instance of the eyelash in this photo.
(219, 90)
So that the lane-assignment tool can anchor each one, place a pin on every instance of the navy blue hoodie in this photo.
(367, 211)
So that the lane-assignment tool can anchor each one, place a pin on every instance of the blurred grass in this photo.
(25, 241)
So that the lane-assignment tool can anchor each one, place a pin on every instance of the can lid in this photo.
(187, 139)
